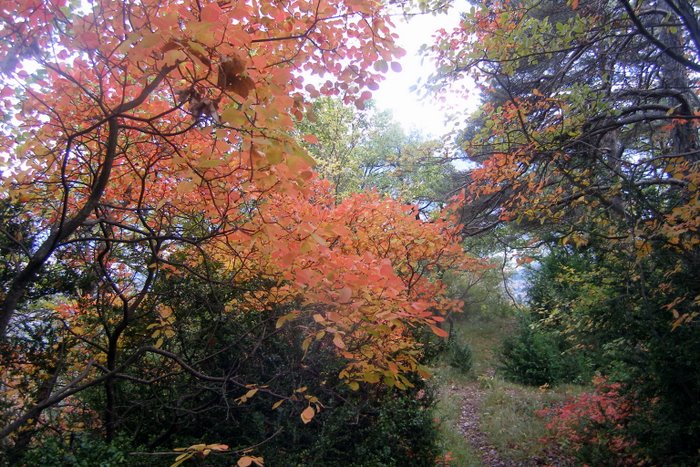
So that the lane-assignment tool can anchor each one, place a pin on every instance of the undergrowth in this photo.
(509, 412)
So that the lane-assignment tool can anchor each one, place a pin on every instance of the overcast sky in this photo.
(394, 93)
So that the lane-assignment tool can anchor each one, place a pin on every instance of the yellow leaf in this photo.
(173, 57)
(206, 163)
(371, 377)
(150, 40)
(277, 404)
(305, 345)
(312, 399)
(181, 458)
(198, 51)
(283, 319)
(185, 187)
(233, 116)
(381, 66)
(423, 372)
(338, 341)
(320, 240)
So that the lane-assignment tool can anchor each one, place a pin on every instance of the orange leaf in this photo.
(311, 139)
(308, 414)
(247, 461)
(218, 447)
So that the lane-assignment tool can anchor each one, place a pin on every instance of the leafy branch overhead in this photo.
(150, 163)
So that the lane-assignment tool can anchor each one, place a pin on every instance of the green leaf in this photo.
(381, 66)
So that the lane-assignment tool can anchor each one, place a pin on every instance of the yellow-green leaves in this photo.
(200, 450)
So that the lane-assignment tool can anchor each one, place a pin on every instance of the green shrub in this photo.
(459, 356)
(395, 428)
(535, 357)
(434, 347)
(77, 450)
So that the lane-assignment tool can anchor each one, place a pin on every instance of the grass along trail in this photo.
(485, 420)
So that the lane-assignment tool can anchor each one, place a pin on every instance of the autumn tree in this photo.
(588, 139)
(150, 140)
(361, 149)
(577, 118)
(175, 77)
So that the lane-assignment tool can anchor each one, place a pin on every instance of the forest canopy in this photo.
(210, 237)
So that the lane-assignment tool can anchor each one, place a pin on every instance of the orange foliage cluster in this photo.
(155, 131)
(367, 271)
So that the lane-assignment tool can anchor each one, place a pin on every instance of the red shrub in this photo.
(592, 425)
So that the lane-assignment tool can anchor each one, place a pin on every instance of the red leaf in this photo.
(439, 331)
(210, 13)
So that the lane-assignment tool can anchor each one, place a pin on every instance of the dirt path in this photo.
(469, 424)
(511, 445)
